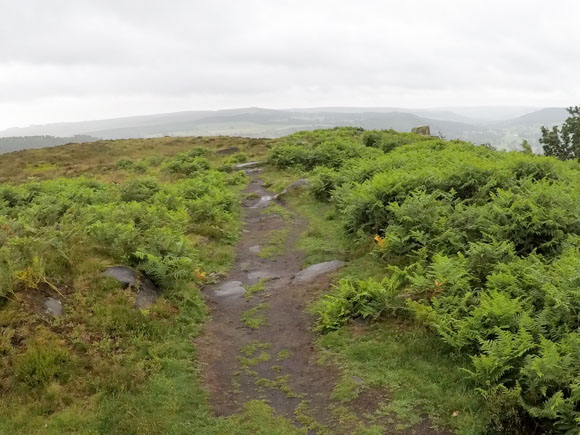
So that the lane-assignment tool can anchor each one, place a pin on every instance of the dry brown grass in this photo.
(99, 158)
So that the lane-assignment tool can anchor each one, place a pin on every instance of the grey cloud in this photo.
(284, 53)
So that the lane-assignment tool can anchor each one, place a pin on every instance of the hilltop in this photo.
(330, 281)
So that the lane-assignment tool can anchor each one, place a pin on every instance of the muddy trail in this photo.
(259, 343)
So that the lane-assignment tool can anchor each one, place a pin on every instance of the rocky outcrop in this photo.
(422, 130)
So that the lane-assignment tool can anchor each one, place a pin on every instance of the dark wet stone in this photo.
(147, 292)
(314, 271)
(53, 307)
(229, 288)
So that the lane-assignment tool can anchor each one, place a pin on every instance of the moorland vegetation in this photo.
(472, 254)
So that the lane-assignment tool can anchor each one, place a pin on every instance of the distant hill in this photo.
(505, 128)
(16, 143)
(549, 115)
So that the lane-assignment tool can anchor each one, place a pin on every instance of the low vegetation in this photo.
(461, 296)
(165, 207)
(481, 247)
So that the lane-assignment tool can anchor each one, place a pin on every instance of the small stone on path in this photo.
(254, 249)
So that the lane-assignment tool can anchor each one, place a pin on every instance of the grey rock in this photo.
(227, 151)
(263, 202)
(248, 165)
(254, 249)
(230, 288)
(298, 184)
(423, 130)
(53, 307)
(314, 271)
(123, 274)
(147, 292)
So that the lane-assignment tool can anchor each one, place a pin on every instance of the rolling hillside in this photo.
(503, 133)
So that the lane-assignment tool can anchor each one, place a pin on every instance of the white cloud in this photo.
(73, 60)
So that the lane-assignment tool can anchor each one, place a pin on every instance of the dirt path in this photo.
(271, 354)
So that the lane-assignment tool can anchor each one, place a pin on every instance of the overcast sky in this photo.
(79, 59)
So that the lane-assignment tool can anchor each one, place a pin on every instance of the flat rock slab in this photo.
(254, 249)
(248, 165)
(147, 292)
(53, 307)
(229, 288)
(311, 273)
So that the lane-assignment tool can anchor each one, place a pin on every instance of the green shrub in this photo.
(366, 299)
(487, 251)
(186, 164)
(141, 189)
(290, 156)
